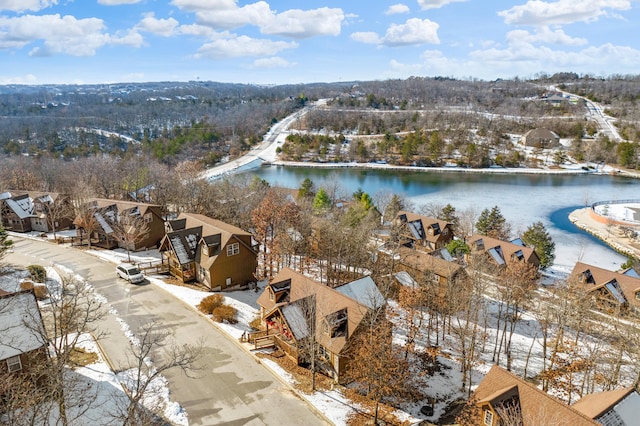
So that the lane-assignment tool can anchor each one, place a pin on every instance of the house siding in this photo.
(240, 267)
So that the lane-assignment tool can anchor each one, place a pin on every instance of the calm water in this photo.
(523, 199)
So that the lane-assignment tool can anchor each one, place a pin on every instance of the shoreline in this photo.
(608, 235)
(607, 170)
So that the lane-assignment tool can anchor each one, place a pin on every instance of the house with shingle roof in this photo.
(422, 232)
(209, 251)
(504, 398)
(541, 138)
(23, 349)
(618, 407)
(501, 253)
(425, 267)
(296, 308)
(25, 211)
(611, 290)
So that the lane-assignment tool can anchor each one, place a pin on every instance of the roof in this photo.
(121, 206)
(22, 206)
(540, 133)
(327, 302)
(502, 251)
(21, 324)
(184, 243)
(419, 225)
(627, 283)
(537, 407)
(425, 262)
(596, 404)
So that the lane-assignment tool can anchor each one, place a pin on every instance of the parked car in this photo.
(129, 273)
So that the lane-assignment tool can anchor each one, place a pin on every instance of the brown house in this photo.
(500, 253)
(109, 215)
(419, 264)
(417, 231)
(505, 399)
(617, 407)
(22, 346)
(610, 289)
(297, 309)
(25, 211)
(209, 251)
(541, 138)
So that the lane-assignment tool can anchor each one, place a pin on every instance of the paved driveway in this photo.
(232, 388)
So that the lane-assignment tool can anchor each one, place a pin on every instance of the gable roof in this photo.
(537, 407)
(184, 243)
(21, 324)
(501, 251)
(596, 404)
(601, 277)
(419, 225)
(424, 262)
(21, 205)
(327, 302)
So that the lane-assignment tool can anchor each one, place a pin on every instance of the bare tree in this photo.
(129, 229)
(140, 406)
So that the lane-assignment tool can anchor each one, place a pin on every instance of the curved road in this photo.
(231, 388)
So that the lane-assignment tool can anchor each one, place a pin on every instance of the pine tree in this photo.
(492, 224)
(536, 236)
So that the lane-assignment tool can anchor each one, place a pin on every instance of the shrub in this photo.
(225, 313)
(209, 303)
(38, 273)
(256, 323)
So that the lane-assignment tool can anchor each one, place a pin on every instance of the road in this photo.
(266, 151)
(231, 388)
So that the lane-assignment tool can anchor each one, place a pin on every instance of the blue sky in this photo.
(279, 42)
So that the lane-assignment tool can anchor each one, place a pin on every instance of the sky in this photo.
(281, 42)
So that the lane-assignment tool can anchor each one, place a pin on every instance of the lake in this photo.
(522, 198)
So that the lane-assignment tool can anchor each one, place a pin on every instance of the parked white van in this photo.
(130, 273)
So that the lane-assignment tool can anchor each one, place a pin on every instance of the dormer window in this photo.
(518, 255)
(335, 324)
(488, 418)
(479, 244)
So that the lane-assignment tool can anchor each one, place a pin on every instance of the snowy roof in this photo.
(364, 291)
(496, 254)
(615, 291)
(180, 250)
(631, 273)
(21, 322)
(518, 241)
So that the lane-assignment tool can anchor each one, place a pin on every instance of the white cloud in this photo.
(414, 31)
(232, 47)
(203, 5)
(296, 23)
(537, 12)
(163, 27)
(435, 4)
(546, 36)
(59, 34)
(23, 79)
(117, 2)
(198, 31)
(368, 37)
(273, 62)
(252, 14)
(396, 9)
(24, 5)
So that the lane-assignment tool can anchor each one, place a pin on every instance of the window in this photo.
(488, 418)
(148, 218)
(14, 364)
(233, 249)
(271, 295)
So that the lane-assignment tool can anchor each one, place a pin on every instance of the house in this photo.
(25, 211)
(420, 265)
(296, 308)
(503, 398)
(500, 253)
(610, 289)
(23, 348)
(541, 138)
(209, 252)
(113, 221)
(616, 407)
(417, 231)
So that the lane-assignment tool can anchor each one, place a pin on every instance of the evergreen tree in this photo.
(536, 236)
(306, 189)
(5, 243)
(321, 201)
(492, 224)
(449, 215)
